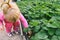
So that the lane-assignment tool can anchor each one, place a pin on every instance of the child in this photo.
(12, 18)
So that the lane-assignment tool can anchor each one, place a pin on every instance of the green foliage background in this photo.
(43, 17)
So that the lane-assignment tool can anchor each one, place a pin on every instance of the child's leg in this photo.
(16, 25)
(8, 27)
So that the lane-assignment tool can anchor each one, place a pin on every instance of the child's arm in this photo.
(1, 19)
(23, 21)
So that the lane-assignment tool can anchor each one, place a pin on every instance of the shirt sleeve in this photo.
(23, 21)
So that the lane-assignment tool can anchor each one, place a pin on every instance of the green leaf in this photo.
(46, 39)
(54, 38)
(59, 37)
(51, 31)
(44, 21)
(34, 22)
(54, 21)
(51, 25)
(41, 35)
(44, 28)
(58, 32)
(36, 29)
(34, 38)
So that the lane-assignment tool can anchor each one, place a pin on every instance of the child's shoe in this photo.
(16, 32)
(10, 34)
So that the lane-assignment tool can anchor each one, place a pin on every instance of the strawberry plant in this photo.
(43, 17)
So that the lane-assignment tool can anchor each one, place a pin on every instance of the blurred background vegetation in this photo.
(43, 17)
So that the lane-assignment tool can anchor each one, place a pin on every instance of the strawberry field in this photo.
(43, 17)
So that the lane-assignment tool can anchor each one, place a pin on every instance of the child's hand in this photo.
(1, 28)
(26, 27)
